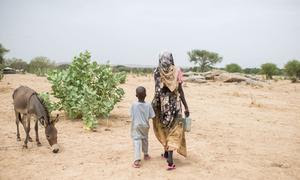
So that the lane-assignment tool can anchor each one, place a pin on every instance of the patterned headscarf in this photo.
(166, 104)
(165, 61)
(167, 70)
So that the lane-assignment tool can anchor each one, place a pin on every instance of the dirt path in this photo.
(238, 132)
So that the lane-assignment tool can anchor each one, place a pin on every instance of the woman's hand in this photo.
(187, 113)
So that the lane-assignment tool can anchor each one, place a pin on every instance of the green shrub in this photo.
(86, 90)
(232, 68)
(17, 64)
(51, 106)
(122, 77)
(1, 71)
(251, 70)
(63, 66)
(292, 69)
(293, 79)
(269, 69)
(121, 68)
(40, 66)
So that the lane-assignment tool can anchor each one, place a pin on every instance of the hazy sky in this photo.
(247, 32)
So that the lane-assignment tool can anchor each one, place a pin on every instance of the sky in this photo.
(134, 32)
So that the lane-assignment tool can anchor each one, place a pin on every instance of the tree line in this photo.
(204, 61)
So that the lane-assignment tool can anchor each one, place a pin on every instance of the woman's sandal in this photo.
(136, 164)
(163, 155)
(169, 168)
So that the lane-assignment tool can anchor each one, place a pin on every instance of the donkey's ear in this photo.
(55, 120)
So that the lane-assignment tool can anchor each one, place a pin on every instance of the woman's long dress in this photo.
(168, 124)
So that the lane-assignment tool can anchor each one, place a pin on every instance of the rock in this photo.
(190, 73)
(223, 76)
(195, 79)
(252, 77)
(211, 75)
(230, 77)
(254, 83)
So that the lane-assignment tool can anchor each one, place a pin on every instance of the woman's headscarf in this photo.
(167, 69)
(165, 103)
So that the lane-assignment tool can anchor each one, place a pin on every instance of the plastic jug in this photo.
(187, 124)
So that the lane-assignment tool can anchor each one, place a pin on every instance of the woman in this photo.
(167, 124)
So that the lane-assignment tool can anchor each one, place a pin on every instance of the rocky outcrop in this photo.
(223, 76)
(195, 79)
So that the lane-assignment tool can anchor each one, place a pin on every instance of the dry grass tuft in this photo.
(254, 103)
(236, 94)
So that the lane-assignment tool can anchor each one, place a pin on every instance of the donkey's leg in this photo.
(26, 125)
(36, 128)
(18, 116)
(26, 131)
(28, 128)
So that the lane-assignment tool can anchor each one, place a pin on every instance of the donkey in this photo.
(27, 104)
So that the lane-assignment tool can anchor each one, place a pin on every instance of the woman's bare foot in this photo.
(147, 157)
(137, 164)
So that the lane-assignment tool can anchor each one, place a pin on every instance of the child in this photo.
(141, 112)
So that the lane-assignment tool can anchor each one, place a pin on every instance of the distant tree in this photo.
(2, 53)
(251, 70)
(280, 72)
(40, 65)
(16, 64)
(204, 59)
(1, 71)
(269, 69)
(194, 69)
(233, 68)
(292, 69)
(63, 66)
(185, 69)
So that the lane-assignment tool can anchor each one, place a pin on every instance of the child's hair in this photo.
(140, 92)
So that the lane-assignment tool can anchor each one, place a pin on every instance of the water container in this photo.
(187, 124)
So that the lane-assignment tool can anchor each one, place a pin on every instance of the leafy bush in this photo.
(86, 90)
(121, 68)
(233, 68)
(63, 66)
(134, 70)
(122, 77)
(40, 66)
(3, 51)
(292, 69)
(17, 64)
(1, 71)
(51, 106)
(293, 79)
(251, 70)
(269, 69)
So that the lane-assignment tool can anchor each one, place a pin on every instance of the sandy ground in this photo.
(238, 132)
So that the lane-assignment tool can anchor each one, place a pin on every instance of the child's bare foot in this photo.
(171, 167)
(137, 164)
(147, 157)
